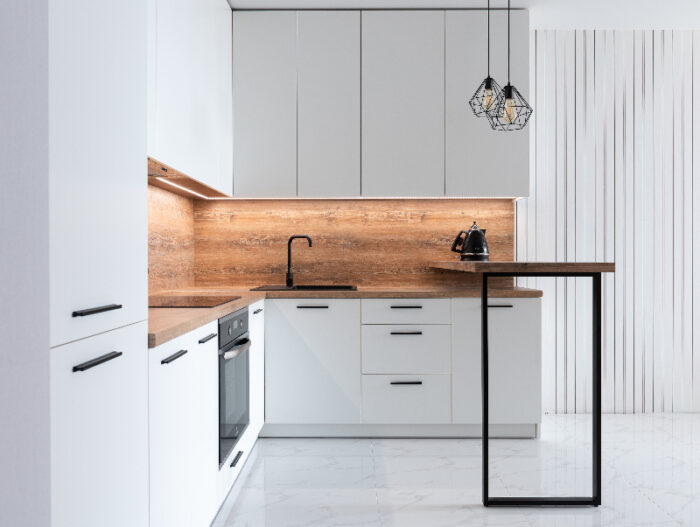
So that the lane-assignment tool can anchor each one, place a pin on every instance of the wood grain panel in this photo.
(170, 240)
(363, 242)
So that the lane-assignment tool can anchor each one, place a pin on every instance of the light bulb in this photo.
(488, 99)
(509, 111)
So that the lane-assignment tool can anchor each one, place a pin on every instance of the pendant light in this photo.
(510, 111)
(487, 92)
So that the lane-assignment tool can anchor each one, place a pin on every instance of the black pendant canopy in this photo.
(510, 110)
(486, 94)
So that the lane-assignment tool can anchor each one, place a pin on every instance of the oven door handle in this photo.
(236, 350)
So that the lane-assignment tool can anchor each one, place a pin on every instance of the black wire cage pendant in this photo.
(510, 110)
(487, 92)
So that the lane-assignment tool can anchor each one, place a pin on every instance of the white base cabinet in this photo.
(99, 431)
(183, 416)
(515, 364)
(312, 361)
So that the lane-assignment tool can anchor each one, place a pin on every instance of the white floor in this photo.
(651, 476)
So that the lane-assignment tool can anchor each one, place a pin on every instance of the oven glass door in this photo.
(234, 407)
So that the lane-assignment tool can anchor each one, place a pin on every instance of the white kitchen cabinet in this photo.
(312, 361)
(99, 431)
(183, 417)
(329, 103)
(256, 329)
(265, 103)
(406, 399)
(190, 122)
(97, 160)
(403, 114)
(406, 311)
(479, 161)
(514, 360)
(406, 348)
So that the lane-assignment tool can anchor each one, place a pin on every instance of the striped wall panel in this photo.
(614, 165)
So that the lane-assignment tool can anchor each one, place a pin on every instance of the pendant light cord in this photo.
(509, 42)
(488, 38)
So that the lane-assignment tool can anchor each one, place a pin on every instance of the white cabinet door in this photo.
(312, 361)
(193, 125)
(97, 159)
(264, 104)
(478, 160)
(99, 431)
(329, 103)
(514, 360)
(183, 416)
(256, 328)
(403, 103)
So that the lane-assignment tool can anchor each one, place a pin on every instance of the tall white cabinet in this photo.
(328, 103)
(265, 104)
(480, 162)
(403, 103)
(190, 89)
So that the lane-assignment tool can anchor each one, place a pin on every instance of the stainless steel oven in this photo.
(234, 378)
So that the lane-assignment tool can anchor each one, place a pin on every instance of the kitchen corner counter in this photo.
(166, 323)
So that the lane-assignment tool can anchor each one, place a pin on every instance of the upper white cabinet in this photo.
(190, 89)
(329, 103)
(265, 103)
(99, 430)
(403, 113)
(479, 161)
(97, 159)
(312, 361)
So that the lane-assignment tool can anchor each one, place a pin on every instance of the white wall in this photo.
(615, 164)
(24, 250)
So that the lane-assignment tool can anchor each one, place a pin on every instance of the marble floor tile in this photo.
(651, 476)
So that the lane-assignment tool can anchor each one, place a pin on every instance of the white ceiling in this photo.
(544, 14)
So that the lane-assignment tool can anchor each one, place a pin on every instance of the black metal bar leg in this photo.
(597, 346)
(485, 389)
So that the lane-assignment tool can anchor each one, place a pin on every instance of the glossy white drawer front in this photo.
(406, 349)
(406, 399)
(406, 311)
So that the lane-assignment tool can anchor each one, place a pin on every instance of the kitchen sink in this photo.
(329, 287)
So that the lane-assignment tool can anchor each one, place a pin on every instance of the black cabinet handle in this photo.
(500, 305)
(406, 382)
(96, 362)
(257, 311)
(312, 307)
(174, 356)
(207, 338)
(406, 333)
(95, 310)
(235, 459)
(406, 307)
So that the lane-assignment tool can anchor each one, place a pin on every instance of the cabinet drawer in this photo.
(406, 399)
(406, 311)
(406, 349)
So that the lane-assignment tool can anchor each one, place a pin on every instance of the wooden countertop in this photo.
(166, 323)
(526, 267)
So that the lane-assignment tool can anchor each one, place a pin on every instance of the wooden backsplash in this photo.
(365, 242)
(170, 240)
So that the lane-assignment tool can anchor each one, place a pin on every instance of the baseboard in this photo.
(517, 431)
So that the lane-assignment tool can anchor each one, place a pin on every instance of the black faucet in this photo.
(290, 276)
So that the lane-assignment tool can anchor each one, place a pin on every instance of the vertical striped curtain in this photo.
(615, 160)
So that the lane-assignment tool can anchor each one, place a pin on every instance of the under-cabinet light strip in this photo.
(165, 180)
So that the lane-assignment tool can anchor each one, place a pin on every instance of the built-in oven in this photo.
(234, 378)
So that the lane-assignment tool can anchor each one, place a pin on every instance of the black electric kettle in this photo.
(474, 246)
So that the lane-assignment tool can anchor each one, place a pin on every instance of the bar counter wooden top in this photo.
(526, 267)
(166, 323)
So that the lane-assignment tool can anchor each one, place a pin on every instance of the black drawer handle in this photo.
(207, 338)
(174, 356)
(235, 459)
(406, 333)
(95, 310)
(96, 362)
(257, 311)
(312, 307)
(406, 307)
(500, 305)
(406, 382)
